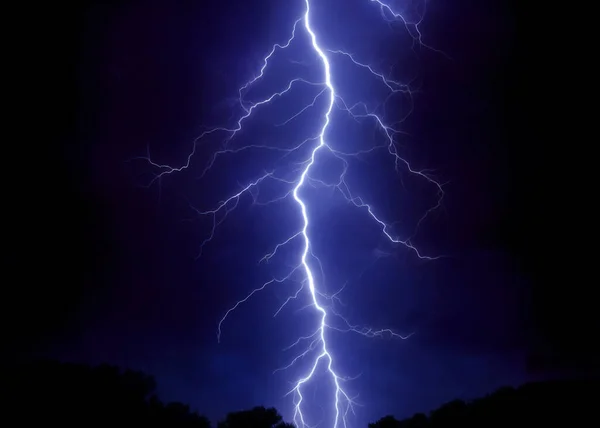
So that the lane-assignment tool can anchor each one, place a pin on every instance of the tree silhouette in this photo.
(453, 412)
(386, 422)
(77, 395)
(566, 403)
(419, 420)
(258, 417)
(176, 414)
(73, 393)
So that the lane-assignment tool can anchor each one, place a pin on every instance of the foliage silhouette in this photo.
(568, 403)
(258, 417)
(72, 393)
(61, 393)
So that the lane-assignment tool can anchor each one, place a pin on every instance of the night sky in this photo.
(107, 267)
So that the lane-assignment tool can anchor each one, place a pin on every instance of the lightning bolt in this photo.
(318, 348)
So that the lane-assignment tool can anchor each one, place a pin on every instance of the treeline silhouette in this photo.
(64, 393)
(566, 403)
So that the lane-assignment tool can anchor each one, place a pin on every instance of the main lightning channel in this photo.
(342, 403)
(298, 415)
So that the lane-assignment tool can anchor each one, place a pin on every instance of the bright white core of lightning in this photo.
(317, 344)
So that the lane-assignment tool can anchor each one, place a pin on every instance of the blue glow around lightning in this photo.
(342, 403)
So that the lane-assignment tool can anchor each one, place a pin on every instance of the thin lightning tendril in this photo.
(343, 403)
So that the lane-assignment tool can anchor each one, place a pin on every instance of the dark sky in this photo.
(107, 268)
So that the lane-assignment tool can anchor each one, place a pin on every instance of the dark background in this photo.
(93, 257)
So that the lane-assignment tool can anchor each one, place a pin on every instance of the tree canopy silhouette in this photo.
(535, 404)
(258, 417)
(74, 393)
(62, 393)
